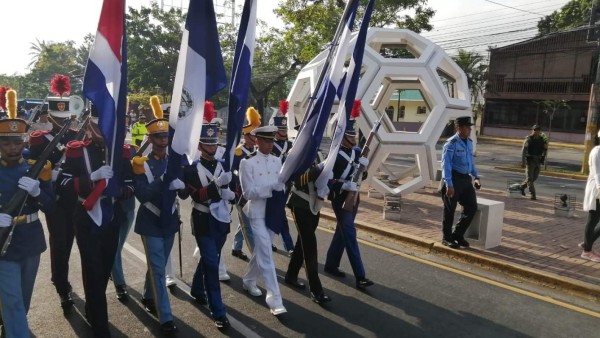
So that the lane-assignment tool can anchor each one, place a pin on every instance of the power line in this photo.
(517, 9)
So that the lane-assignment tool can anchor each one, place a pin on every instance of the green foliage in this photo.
(472, 64)
(49, 59)
(575, 13)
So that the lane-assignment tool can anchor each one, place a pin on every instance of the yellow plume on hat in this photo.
(11, 103)
(156, 108)
(253, 117)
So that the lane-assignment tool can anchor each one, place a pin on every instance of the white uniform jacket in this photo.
(258, 174)
(592, 187)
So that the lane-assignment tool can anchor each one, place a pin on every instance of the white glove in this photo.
(103, 172)
(176, 184)
(363, 161)
(227, 194)
(5, 220)
(54, 175)
(350, 186)
(30, 185)
(277, 186)
(223, 179)
(323, 192)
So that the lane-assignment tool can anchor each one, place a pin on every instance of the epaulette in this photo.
(453, 140)
(238, 150)
(46, 172)
(75, 149)
(251, 155)
(137, 164)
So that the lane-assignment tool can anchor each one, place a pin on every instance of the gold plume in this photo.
(253, 117)
(11, 103)
(156, 108)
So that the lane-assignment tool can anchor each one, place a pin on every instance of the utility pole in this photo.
(594, 106)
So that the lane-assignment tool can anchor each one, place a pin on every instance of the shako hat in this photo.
(281, 121)
(464, 121)
(210, 131)
(159, 126)
(253, 117)
(12, 126)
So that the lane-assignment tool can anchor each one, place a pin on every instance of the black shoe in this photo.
(274, 248)
(66, 300)
(295, 283)
(320, 297)
(149, 306)
(200, 299)
(522, 188)
(363, 283)
(168, 328)
(450, 243)
(533, 197)
(239, 254)
(462, 242)
(222, 322)
(122, 293)
(335, 271)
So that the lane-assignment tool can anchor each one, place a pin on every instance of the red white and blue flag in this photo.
(348, 95)
(240, 79)
(305, 147)
(105, 85)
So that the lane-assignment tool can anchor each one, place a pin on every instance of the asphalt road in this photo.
(415, 295)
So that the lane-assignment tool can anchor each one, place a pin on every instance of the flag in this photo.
(348, 95)
(105, 85)
(305, 147)
(200, 74)
(240, 80)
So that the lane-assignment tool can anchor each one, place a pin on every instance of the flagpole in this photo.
(325, 69)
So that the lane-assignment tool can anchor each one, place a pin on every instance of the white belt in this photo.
(201, 207)
(301, 194)
(152, 208)
(23, 219)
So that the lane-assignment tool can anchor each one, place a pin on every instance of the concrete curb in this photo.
(546, 173)
(472, 255)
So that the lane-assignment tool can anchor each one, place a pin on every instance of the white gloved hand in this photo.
(54, 175)
(323, 192)
(363, 161)
(176, 184)
(5, 220)
(103, 172)
(350, 186)
(223, 179)
(30, 185)
(278, 186)
(227, 194)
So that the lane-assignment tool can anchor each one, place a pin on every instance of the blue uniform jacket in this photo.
(28, 238)
(148, 191)
(458, 156)
(343, 169)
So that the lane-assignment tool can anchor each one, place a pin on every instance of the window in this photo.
(390, 112)
(401, 112)
(421, 110)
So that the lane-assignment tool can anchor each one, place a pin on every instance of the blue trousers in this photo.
(206, 277)
(128, 209)
(243, 231)
(286, 238)
(157, 252)
(16, 287)
(344, 238)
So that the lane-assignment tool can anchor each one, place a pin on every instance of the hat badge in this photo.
(161, 124)
(14, 126)
(210, 132)
(284, 122)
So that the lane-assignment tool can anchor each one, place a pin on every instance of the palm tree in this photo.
(37, 49)
(471, 63)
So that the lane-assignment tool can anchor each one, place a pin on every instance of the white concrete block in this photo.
(486, 228)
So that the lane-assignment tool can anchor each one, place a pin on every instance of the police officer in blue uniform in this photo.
(459, 179)
(96, 229)
(347, 160)
(19, 265)
(207, 185)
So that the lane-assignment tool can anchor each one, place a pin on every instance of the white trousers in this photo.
(261, 263)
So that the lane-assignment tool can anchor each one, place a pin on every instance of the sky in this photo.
(471, 24)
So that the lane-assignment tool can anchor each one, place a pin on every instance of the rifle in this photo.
(352, 196)
(85, 120)
(34, 113)
(14, 207)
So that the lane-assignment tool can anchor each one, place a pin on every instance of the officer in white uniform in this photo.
(259, 178)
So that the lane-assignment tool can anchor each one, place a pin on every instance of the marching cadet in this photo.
(281, 146)
(157, 238)
(207, 185)
(242, 151)
(259, 179)
(96, 233)
(347, 159)
(19, 264)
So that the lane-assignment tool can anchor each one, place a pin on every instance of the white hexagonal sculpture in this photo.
(381, 78)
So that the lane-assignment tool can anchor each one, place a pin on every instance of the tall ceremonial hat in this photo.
(159, 126)
(266, 132)
(63, 106)
(253, 117)
(210, 131)
(350, 124)
(281, 121)
(12, 126)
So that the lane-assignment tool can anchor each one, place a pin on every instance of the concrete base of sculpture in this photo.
(486, 228)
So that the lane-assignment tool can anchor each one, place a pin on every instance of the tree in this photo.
(50, 59)
(476, 71)
(575, 13)
(550, 107)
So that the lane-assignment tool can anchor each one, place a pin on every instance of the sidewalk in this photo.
(536, 244)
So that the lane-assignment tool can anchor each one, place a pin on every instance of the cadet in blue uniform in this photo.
(243, 151)
(19, 265)
(347, 159)
(157, 238)
(459, 177)
(207, 184)
(281, 146)
(97, 237)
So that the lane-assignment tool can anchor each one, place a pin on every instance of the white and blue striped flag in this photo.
(240, 79)
(348, 95)
(305, 147)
